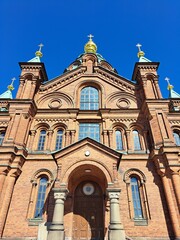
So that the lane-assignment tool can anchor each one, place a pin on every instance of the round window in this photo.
(88, 189)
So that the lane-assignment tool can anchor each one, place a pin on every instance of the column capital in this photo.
(113, 193)
(60, 193)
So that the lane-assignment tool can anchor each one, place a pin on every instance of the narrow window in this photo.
(176, 138)
(42, 139)
(59, 139)
(136, 198)
(89, 99)
(119, 142)
(137, 145)
(2, 134)
(90, 130)
(40, 198)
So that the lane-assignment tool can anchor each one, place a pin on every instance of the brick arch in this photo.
(100, 166)
(134, 172)
(58, 125)
(40, 172)
(119, 126)
(88, 83)
(41, 126)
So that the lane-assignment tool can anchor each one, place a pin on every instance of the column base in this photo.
(116, 233)
(56, 235)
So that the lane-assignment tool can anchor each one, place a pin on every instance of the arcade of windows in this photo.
(136, 140)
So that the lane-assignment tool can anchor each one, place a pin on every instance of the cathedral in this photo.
(89, 155)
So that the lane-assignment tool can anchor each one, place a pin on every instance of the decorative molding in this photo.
(136, 172)
(60, 81)
(123, 103)
(115, 80)
(58, 120)
(123, 120)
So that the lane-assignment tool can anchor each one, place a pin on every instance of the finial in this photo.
(169, 87)
(140, 53)
(90, 37)
(90, 46)
(39, 53)
(10, 87)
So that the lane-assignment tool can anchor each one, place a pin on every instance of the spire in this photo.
(8, 93)
(141, 54)
(38, 54)
(90, 46)
(172, 93)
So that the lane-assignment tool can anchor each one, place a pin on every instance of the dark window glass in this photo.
(119, 143)
(137, 145)
(136, 198)
(42, 139)
(176, 138)
(40, 198)
(90, 130)
(2, 134)
(59, 139)
(89, 99)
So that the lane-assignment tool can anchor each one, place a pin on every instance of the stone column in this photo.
(7, 199)
(129, 141)
(110, 132)
(32, 136)
(116, 230)
(67, 139)
(50, 134)
(170, 203)
(105, 138)
(176, 183)
(56, 230)
(73, 136)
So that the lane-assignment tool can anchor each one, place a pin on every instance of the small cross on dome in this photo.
(90, 37)
(139, 47)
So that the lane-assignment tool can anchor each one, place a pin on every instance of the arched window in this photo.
(89, 99)
(136, 198)
(176, 138)
(59, 138)
(2, 134)
(119, 142)
(42, 138)
(137, 145)
(40, 198)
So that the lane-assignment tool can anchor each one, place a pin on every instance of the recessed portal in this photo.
(88, 220)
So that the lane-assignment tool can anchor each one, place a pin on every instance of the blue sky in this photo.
(63, 25)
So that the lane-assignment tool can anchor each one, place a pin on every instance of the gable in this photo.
(64, 91)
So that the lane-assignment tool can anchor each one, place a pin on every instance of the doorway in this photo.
(88, 219)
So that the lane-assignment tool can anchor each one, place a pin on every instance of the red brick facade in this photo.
(131, 107)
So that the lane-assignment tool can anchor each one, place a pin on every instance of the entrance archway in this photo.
(88, 212)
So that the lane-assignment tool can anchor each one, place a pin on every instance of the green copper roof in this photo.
(7, 94)
(173, 94)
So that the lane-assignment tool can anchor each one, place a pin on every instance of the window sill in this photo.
(34, 221)
(140, 222)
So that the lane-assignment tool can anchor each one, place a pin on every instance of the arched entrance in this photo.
(88, 215)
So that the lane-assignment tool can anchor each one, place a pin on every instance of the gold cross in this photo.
(139, 47)
(13, 79)
(40, 46)
(90, 36)
(167, 79)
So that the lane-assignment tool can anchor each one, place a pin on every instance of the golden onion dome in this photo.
(90, 46)
(140, 53)
(39, 53)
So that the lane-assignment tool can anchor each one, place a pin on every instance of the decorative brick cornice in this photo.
(63, 80)
(54, 120)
